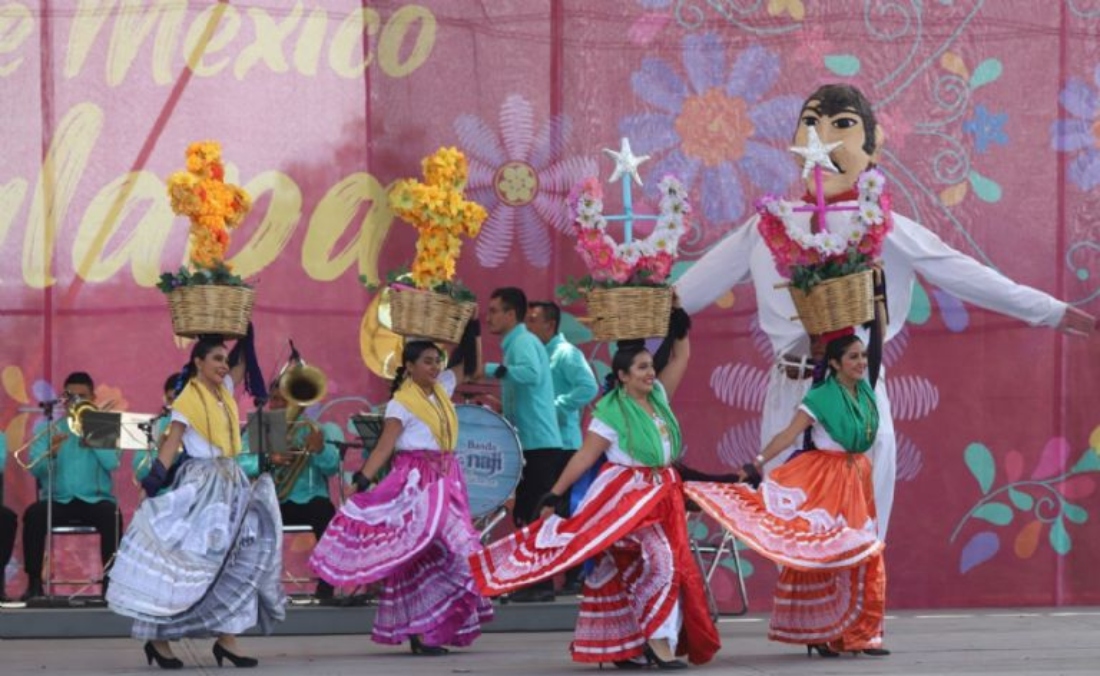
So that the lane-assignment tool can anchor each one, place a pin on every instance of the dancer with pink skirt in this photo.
(412, 531)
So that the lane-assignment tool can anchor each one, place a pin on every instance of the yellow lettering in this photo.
(88, 20)
(133, 23)
(347, 54)
(393, 38)
(210, 34)
(106, 217)
(307, 52)
(11, 201)
(16, 24)
(271, 237)
(330, 221)
(65, 163)
(268, 44)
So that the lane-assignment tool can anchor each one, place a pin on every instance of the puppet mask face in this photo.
(850, 158)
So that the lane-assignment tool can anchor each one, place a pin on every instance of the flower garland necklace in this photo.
(793, 244)
(653, 255)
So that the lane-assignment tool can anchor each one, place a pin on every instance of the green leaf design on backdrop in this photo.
(1023, 501)
(986, 72)
(920, 308)
(996, 513)
(1089, 462)
(1060, 540)
(1074, 513)
(980, 461)
(746, 566)
(574, 331)
(986, 189)
(844, 65)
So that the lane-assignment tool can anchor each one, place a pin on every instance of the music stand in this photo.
(272, 426)
(115, 430)
(369, 428)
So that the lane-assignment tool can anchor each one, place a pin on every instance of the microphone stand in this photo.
(48, 410)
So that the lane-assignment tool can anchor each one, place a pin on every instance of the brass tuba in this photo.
(302, 386)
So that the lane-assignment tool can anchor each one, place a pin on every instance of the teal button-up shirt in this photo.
(313, 481)
(527, 390)
(79, 472)
(574, 386)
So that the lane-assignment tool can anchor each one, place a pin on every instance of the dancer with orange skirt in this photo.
(815, 515)
(645, 597)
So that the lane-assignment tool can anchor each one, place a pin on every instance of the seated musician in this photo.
(143, 459)
(81, 488)
(8, 523)
(302, 481)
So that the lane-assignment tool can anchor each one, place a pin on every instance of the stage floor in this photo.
(1024, 642)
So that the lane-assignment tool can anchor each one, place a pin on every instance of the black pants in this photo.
(316, 514)
(541, 470)
(100, 515)
(8, 523)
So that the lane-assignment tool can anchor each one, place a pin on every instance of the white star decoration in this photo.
(626, 162)
(816, 153)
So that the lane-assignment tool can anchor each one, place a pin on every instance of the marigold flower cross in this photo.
(440, 213)
(214, 206)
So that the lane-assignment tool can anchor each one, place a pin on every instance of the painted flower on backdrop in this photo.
(1047, 505)
(1079, 133)
(984, 127)
(987, 128)
(522, 178)
(713, 126)
(741, 385)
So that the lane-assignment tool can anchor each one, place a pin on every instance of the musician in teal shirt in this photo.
(8, 522)
(82, 492)
(305, 499)
(574, 383)
(527, 401)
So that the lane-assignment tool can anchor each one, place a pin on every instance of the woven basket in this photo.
(836, 303)
(211, 308)
(428, 314)
(629, 312)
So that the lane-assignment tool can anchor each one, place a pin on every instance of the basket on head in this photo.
(628, 312)
(428, 314)
(211, 308)
(836, 303)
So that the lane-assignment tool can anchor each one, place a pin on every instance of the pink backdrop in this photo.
(990, 111)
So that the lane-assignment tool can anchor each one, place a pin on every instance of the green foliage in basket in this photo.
(219, 275)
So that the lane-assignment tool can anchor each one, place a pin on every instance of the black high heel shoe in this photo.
(651, 656)
(822, 649)
(876, 652)
(419, 648)
(626, 665)
(163, 662)
(241, 661)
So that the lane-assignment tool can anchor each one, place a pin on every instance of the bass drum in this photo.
(490, 456)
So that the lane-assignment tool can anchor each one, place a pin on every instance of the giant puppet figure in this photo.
(840, 113)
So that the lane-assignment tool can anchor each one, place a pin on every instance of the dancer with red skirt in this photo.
(646, 595)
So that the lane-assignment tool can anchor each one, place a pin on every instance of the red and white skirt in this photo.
(632, 520)
(815, 516)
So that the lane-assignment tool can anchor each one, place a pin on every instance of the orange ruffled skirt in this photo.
(815, 516)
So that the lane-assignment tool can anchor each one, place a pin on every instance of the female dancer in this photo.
(412, 531)
(645, 596)
(204, 558)
(815, 515)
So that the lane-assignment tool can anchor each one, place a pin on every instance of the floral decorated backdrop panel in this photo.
(990, 111)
